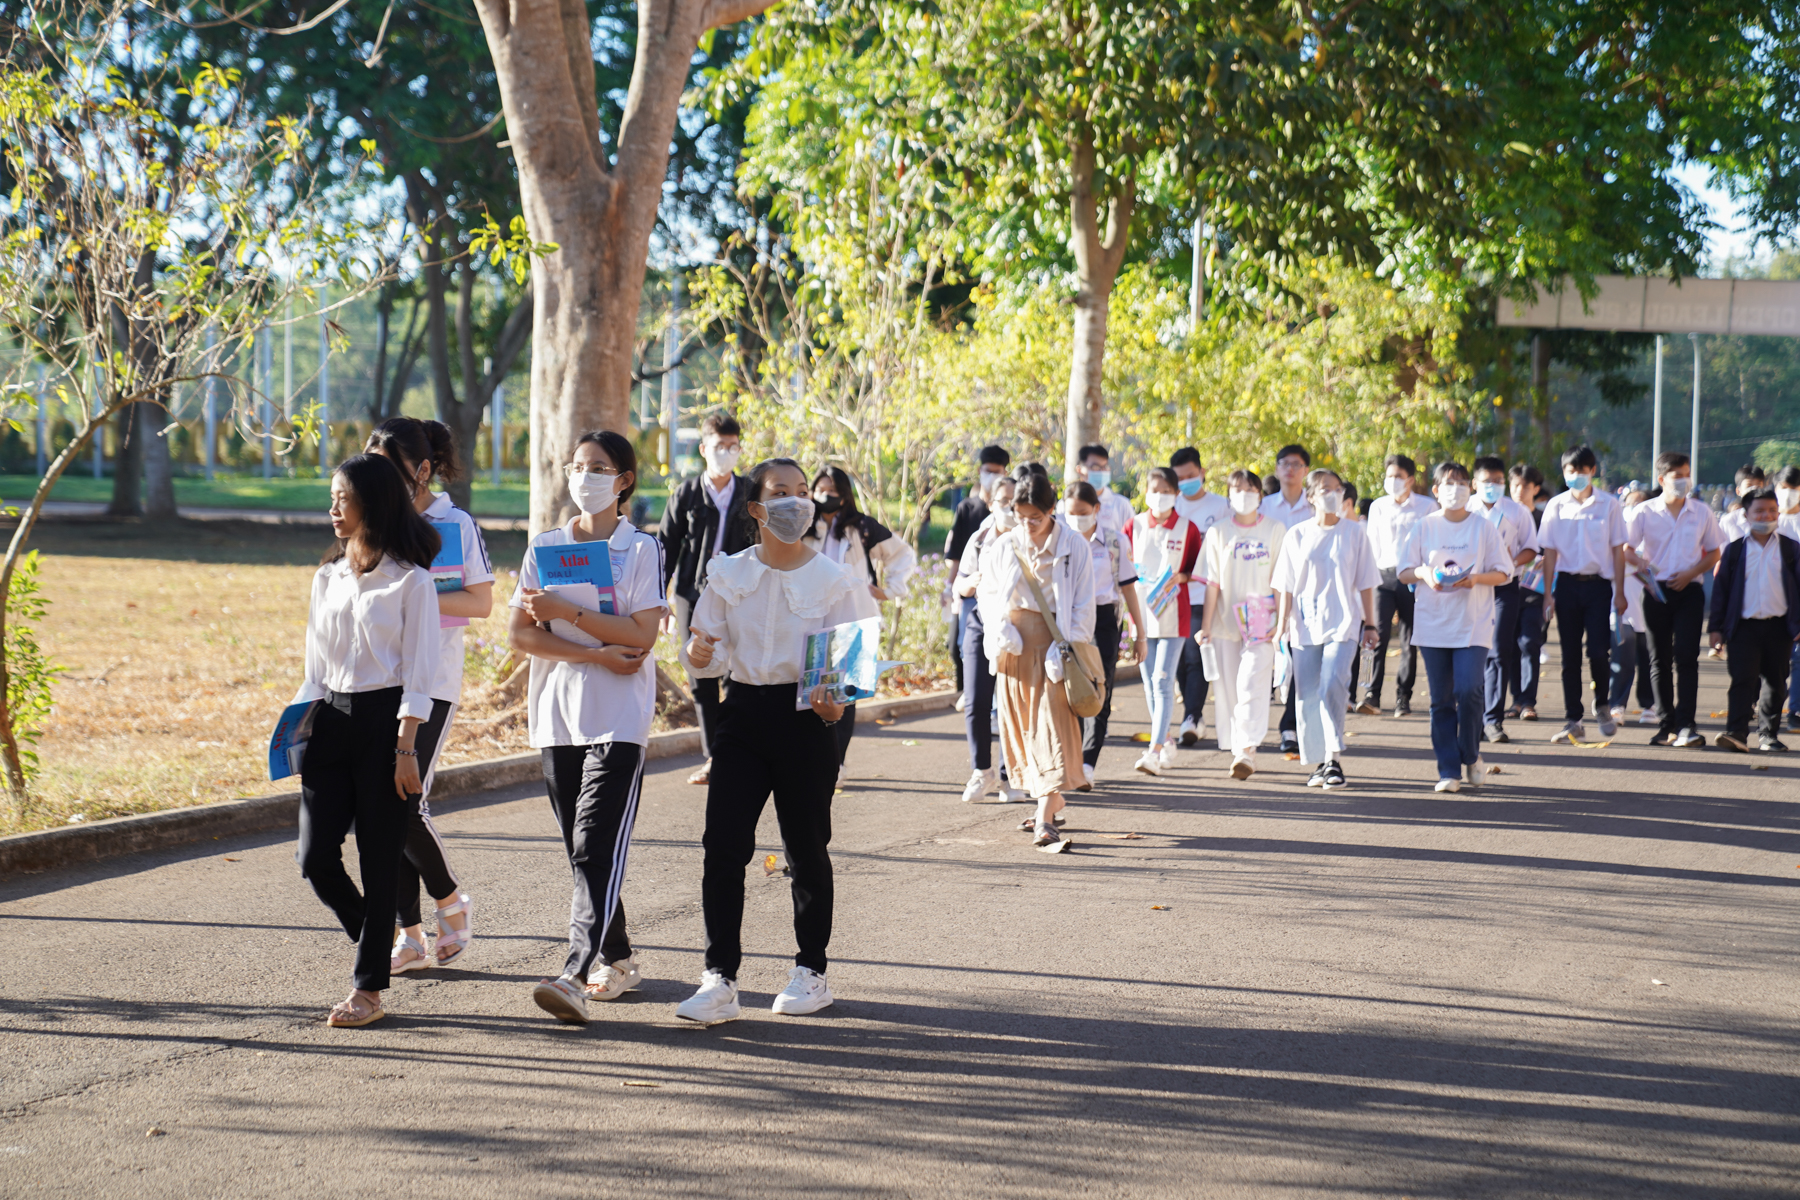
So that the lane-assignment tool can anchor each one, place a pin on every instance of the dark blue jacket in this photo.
(1728, 586)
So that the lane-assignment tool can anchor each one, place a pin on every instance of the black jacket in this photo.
(968, 518)
(690, 529)
(1728, 586)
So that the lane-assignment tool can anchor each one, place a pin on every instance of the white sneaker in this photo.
(1448, 785)
(1648, 717)
(614, 980)
(1472, 773)
(1619, 715)
(1166, 759)
(806, 992)
(1609, 724)
(980, 784)
(1088, 773)
(1012, 795)
(962, 701)
(563, 999)
(1570, 733)
(717, 1000)
(1148, 764)
(1190, 732)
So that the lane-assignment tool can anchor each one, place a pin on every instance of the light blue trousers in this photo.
(1322, 695)
(1158, 673)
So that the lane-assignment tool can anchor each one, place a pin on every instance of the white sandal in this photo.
(456, 940)
(405, 941)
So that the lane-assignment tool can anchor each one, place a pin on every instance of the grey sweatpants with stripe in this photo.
(594, 793)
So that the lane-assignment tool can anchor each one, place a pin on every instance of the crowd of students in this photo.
(1274, 594)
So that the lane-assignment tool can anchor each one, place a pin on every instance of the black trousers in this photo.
(956, 630)
(1584, 614)
(346, 778)
(766, 747)
(424, 858)
(1106, 638)
(707, 702)
(1393, 609)
(978, 691)
(1190, 674)
(1673, 629)
(845, 730)
(1757, 658)
(594, 794)
(1501, 673)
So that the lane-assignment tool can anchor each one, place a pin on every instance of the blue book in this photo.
(447, 567)
(845, 658)
(288, 743)
(574, 564)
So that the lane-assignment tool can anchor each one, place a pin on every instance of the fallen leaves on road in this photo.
(1760, 767)
(1123, 837)
(1658, 983)
(909, 741)
(228, 857)
(1494, 769)
(641, 1083)
(772, 865)
(1159, 908)
(1591, 745)
(154, 1131)
(1720, 713)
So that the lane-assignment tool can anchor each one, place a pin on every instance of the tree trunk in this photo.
(599, 215)
(1098, 256)
(159, 468)
(128, 464)
(384, 311)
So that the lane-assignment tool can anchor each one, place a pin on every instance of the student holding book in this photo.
(597, 584)
(372, 647)
(1238, 622)
(424, 451)
(1165, 549)
(751, 626)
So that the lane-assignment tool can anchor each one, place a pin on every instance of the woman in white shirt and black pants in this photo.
(371, 655)
(750, 626)
(425, 450)
(592, 695)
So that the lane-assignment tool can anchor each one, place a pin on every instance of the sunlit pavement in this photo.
(1577, 981)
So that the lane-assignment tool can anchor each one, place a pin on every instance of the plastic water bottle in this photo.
(1209, 662)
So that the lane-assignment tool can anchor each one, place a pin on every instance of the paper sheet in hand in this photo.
(1162, 591)
(580, 572)
(287, 745)
(844, 658)
(447, 567)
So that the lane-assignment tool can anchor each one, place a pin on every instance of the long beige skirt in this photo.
(1038, 730)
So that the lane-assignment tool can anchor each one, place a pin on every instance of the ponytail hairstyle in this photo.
(413, 443)
(753, 485)
(390, 524)
(848, 517)
(619, 449)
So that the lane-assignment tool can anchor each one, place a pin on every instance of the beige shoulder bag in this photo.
(1084, 677)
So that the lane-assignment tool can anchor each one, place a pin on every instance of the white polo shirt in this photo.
(1115, 511)
(1391, 522)
(584, 704)
(1672, 542)
(1512, 521)
(1290, 515)
(1205, 511)
(1735, 524)
(1583, 532)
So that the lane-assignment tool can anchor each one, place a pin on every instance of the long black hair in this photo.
(414, 442)
(848, 516)
(390, 524)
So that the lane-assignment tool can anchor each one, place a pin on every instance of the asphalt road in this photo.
(1579, 981)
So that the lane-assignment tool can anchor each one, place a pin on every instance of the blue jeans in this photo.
(1458, 695)
(1158, 673)
(1322, 686)
(1533, 628)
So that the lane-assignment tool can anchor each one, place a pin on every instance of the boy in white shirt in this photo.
(1391, 520)
(1679, 541)
(1583, 538)
(1736, 523)
(1289, 503)
(1240, 556)
(1094, 466)
(1205, 510)
(1455, 559)
(1518, 537)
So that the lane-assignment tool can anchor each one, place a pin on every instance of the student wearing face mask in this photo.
(978, 713)
(1736, 523)
(1115, 584)
(1285, 500)
(751, 625)
(1518, 538)
(1391, 520)
(1238, 622)
(1041, 733)
(850, 537)
(1756, 612)
(971, 511)
(1204, 510)
(1679, 541)
(1163, 546)
(1094, 467)
(1631, 649)
(1456, 559)
(1325, 584)
(705, 520)
(1583, 539)
(1526, 483)
(591, 698)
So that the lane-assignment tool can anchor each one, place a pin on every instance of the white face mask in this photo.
(1764, 526)
(1788, 497)
(1005, 518)
(1084, 522)
(1245, 503)
(1678, 487)
(722, 460)
(1398, 486)
(984, 483)
(787, 517)
(1160, 503)
(593, 492)
(1490, 493)
(1329, 503)
(1452, 496)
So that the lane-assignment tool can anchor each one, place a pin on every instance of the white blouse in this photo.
(762, 616)
(369, 632)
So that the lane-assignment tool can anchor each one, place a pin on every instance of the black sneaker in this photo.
(1403, 709)
(1771, 745)
(1733, 741)
(1317, 778)
(1663, 737)
(1334, 776)
(1495, 734)
(1290, 748)
(1794, 722)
